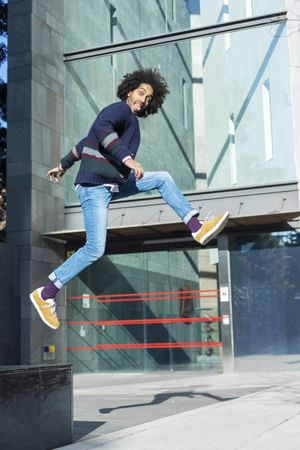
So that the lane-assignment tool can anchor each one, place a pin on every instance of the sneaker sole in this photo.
(40, 314)
(215, 230)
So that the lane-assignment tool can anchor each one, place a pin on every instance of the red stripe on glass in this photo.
(146, 321)
(147, 345)
(179, 294)
(153, 299)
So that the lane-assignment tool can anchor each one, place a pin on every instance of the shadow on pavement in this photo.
(160, 398)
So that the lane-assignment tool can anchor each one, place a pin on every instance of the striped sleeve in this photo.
(74, 155)
(105, 128)
(113, 144)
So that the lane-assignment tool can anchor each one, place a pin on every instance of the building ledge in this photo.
(271, 207)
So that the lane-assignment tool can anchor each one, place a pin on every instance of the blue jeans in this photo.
(95, 202)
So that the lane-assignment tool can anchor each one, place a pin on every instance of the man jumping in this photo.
(109, 171)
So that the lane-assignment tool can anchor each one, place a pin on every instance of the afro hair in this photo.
(132, 81)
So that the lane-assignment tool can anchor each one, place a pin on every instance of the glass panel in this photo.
(145, 311)
(93, 23)
(219, 11)
(165, 140)
(234, 90)
(227, 121)
(266, 300)
(88, 24)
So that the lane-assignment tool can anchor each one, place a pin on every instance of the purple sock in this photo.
(194, 224)
(49, 291)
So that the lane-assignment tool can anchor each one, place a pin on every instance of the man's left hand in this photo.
(136, 166)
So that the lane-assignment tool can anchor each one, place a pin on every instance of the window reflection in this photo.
(265, 296)
(227, 121)
(145, 311)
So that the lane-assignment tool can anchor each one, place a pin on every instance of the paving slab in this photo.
(267, 420)
(104, 403)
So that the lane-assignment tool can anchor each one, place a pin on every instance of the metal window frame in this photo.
(212, 30)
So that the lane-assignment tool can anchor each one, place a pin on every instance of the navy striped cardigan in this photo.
(113, 137)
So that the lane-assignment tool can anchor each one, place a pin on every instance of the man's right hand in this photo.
(136, 166)
(55, 172)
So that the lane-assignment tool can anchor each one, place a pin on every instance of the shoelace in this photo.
(52, 306)
(208, 216)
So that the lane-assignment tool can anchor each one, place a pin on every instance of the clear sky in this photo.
(3, 76)
(3, 67)
(3, 71)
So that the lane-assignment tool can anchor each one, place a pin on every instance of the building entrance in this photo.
(146, 311)
(266, 300)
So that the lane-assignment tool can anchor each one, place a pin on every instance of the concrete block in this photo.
(19, 100)
(18, 73)
(41, 184)
(36, 141)
(39, 170)
(58, 190)
(17, 168)
(40, 271)
(19, 7)
(43, 211)
(52, 110)
(46, 43)
(19, 36)
(60, 218)
(9, 304)
(18, 182)
(36, 35)
(57, 145)
(5, 297)
(18, 60)
(51, 70)
(35, 401)
(51, 14)
(21, 238)
(44, 255)
(47, 108)
(19, 218)
(24, 339)
(39, 103)
(9, 351)
(40, 76)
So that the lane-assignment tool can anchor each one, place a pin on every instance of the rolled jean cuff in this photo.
(52, 277)
(190, 214)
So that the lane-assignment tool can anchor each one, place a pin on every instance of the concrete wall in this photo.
(35, 401)
(35, 137)
(9, 305)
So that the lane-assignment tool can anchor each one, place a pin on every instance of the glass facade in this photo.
(166, 138)
(227, 123)
(116, 21)
(146, 311)
(265, 296)
(248, 133)
(220, 11)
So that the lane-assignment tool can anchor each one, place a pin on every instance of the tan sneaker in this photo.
(45, 308)
(211, 228)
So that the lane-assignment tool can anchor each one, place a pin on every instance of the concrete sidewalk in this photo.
(265, 420)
